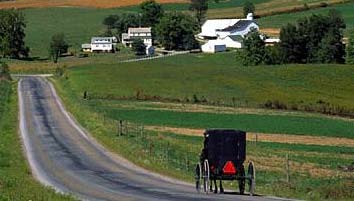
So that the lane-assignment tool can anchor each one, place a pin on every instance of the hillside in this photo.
(220, 79)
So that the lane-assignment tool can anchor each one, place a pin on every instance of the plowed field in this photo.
(76, 3)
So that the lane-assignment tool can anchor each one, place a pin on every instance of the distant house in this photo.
(143, 33)
(221, 28)
(100, 44)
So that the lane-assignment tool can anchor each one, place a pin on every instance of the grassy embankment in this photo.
(220, 80)
(316, 175)
(16, 181)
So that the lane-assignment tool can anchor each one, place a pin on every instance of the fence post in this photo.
(287, 168)
(120, 126)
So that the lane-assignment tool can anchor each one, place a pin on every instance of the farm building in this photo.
(150, 50)
(100, 44)
(271, 41)
(229, 32)
(232, 41)
(221, 28)
(86, 47)
(143, 33)
(213, 46)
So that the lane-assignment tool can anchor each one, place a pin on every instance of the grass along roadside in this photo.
(315, 175)
(16, 181)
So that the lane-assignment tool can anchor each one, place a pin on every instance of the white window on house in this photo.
(97, 45)
(104, 45)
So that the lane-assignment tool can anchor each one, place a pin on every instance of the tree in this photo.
(110, 21)
(58, 46)
(12, 34)
(314, 39)
(176, 31)
(273, 55)
(350, 50)
(200, 8)
(254, 49)
(292, 47)
(248, 7)
(120, 23)
(331, 50)
(139, 47)
(151, 12)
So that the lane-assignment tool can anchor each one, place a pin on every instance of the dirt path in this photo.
(263, 137)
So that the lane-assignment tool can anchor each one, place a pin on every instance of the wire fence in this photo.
(157, 149)
(155, 57)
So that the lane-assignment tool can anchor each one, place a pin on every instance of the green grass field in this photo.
(314, 169)
(220, 80)
(263, 123)
(16, 181)
(277, 21)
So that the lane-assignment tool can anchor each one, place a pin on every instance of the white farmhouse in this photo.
(100, 44)
(143, 33)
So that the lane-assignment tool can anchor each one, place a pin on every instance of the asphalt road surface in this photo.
(62, 155)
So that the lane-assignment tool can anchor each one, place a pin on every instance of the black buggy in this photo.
(221, 159)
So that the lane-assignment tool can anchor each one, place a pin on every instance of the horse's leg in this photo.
(211, 186)
(216, 186)
(221, 188)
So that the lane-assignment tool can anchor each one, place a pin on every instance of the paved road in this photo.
(65, 157)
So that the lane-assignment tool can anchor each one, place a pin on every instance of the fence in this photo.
(155, 148)
(155, 57)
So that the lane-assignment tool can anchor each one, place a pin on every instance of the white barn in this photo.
(232, 41)
(213, 46)
(221, 28)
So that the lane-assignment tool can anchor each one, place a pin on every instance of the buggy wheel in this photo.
(242, 180)
(197, 176)
(251, 178)
(206, 176)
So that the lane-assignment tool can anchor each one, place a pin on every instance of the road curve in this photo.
(62, 155)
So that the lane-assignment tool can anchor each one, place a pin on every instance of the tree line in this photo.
(313, 39)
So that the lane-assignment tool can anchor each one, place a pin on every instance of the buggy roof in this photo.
(225, 144)
(223, 132)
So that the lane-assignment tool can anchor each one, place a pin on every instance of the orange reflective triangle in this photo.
(229, 168)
